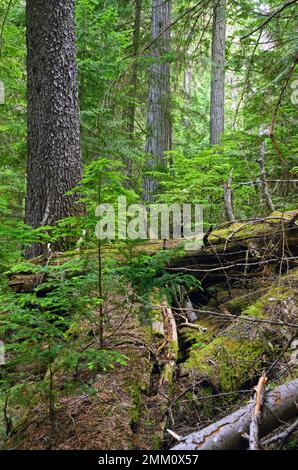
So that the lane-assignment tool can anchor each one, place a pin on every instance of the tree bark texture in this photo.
(229, 433)
(131, 110)
(159, 106)
(217, 101)
(263, 178)
(228, 200)
(54, 155)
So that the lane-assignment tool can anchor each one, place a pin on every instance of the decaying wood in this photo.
(172, 345)
(195, 326)
(280, 405)
(257, 413)
(281, 436)
(237, 249)
(167, 357)
(247, 249)
(186, 303)
(25, 283)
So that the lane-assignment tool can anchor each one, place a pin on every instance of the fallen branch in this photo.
(194, 326)
(282, 436)
(229, 433)
(257, 414)
(172, 345)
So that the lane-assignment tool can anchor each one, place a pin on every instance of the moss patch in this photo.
(227, 362)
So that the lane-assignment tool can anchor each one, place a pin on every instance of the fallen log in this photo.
(231, 432)
(250, 248)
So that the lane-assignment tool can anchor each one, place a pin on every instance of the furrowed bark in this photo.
(131, 110)
(54, 156)
(228, 203)
(159, 121)
(218, 72)
(263, 177)
(230, 432)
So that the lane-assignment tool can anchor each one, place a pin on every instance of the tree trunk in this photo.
(228, 200)
(131, 111)
(218, 72)
(54, 156)
(229, 432)
(159, 107)
(263, 179)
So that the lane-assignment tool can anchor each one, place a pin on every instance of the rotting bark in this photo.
(167, 355)
(230, 432)
(54, 155)
(251, 248)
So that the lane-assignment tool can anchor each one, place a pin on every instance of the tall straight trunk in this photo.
(159, 106)
(131, 111)
(217, 104)
(54, 155)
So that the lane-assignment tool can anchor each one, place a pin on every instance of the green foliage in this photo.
(45, 330)
(147, 273)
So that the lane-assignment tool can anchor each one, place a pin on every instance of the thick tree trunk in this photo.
(218, 72)
(229, 432)
(54, 157)
(159, 120)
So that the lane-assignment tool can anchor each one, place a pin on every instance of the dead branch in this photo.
(195, 326)
(229, 433)
(257, 413)
(282, 436)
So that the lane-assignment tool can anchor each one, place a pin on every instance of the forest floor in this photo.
(220, 361)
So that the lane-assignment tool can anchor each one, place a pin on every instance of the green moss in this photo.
(227, 362)
(193, 336)
(224, 233)
(240, 230)
(237, 305)
(174, 348)
(260, 307)
(135, 413)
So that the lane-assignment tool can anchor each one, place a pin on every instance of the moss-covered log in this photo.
(252, 248)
